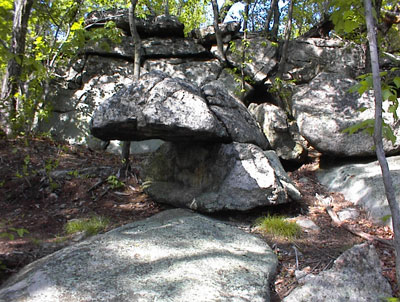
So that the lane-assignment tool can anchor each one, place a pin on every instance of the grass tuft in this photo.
(278, 226)
(91, 226)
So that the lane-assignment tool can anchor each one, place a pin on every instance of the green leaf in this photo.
(396, 81)
(350, 26)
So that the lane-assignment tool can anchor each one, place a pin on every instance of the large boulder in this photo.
(152, 26)
(174, 256)
(215, 177)
(261, 57)
(158, 106)
(355, 276)
(279, 131)
(362, 184)
(325, 107)
(308, 57)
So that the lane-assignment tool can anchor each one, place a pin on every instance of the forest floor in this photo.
(44, 184)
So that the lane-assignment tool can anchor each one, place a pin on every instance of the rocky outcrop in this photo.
(214, 177)
(325, 108)
(279, 132)
(172, 109)
(260, 57)
(361, 184)
(206, 35)
(309, 57)
(355, 276)
(153, 26)
(173, 256)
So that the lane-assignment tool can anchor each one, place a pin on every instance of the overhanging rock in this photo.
(172, 109)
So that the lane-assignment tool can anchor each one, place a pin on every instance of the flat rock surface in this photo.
(174, 256)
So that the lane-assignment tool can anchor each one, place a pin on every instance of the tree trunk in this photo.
(275, 27)
(218, 34)
(387, 179)
(288, 32)
(136, 70)
(11, 80)
(269, 16)
(244, 48)
(225, 9)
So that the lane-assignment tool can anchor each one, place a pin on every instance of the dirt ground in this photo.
(44, 184)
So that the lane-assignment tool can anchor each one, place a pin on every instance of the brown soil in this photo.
(35, 196)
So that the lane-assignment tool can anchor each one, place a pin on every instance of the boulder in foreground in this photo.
(174, 256)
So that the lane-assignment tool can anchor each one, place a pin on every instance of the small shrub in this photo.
(278, 226)
(114, 183)
(91, 226)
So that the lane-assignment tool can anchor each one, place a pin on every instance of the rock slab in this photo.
(355, 276)
(174, 256)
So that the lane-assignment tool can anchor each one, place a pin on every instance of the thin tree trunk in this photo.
(166, 7)
(275, 27)
(269, 16)
(11, 80)
(136, 69)
(218, 34)
(288, 32)
(244, 47)
(387, 179)
(225, 9)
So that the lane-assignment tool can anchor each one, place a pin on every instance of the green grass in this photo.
(278, 226)
(91, 226)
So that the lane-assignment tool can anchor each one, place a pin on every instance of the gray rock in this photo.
(206, 35)
(154, 47)
(362, 185)
(325, 107)
(215, 177)
(261, 57)
(237, 120)
(274, 122)
(355, 276)
(308, 57)
(152, 26)
(199, 72)
(151, 48)
(174, 256)
(172, 109)
(307, 224)
(349, 213)
(98, 78)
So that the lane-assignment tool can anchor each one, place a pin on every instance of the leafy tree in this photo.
(11, 86)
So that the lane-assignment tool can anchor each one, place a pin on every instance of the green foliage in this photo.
(391, 299)
(390, 85)
(91, 226)
(114, 182)
(10, 233)
(278, 226)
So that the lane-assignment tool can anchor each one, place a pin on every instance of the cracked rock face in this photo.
(158, 106)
